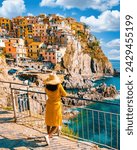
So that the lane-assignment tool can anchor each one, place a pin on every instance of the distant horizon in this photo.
(115, 59)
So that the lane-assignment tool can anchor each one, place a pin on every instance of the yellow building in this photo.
(28, 34)
(5, 23)
(26, 31)
(23, 29)
(34, 49)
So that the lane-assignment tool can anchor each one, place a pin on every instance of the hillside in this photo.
(85, 57)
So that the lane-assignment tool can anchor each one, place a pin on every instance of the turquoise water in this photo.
(91, 125)
(115, 64)
(111, 80)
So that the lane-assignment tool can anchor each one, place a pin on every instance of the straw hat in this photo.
(53, 79)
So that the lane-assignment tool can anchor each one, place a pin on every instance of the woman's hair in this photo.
(52, 87)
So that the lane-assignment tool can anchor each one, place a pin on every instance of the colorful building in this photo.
(50, 56)
(39, 30)
(34, 49)
(5, 23)
(2, 45)
(15, 48)
(23, 28)
(31, 19)
(3, 32)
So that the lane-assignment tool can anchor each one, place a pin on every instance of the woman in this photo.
(53, 115)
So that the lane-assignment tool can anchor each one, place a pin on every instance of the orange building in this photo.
(17, 20)
(10, 49)
(15, 48)
(5, 23)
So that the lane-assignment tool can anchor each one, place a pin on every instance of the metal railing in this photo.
(80, 122)
(100, 127)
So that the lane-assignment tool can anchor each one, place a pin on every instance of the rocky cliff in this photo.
(85, 59)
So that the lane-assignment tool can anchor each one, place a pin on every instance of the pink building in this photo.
(49, 55)
(39, 30)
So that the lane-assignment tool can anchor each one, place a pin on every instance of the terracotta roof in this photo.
(35, 43)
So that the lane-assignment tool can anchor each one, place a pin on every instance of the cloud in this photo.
(30, 14)
(113, 43)
(12, 8)
(93, 4)
(114, 54)
(61, 15)
(51, 3)
(107, 21)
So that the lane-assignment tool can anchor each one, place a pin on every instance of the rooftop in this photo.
(35, 43)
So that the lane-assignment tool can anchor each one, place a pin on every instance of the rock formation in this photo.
(84, 59)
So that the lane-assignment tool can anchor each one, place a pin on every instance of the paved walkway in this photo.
(18, 137)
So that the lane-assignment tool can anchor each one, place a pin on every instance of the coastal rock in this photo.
(75, 61)
(99, 67)
(84, 60)
(101, 92)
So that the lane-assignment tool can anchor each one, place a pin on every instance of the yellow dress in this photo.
(53, 114)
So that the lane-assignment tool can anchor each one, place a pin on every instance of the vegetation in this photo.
(9, 108)
(81, 34)
(8, 56)
(66, 130)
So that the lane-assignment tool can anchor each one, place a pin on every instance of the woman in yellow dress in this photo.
(53, 114)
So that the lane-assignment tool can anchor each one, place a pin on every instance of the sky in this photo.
(102, 16)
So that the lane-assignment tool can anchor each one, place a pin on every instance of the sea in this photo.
(104, 128)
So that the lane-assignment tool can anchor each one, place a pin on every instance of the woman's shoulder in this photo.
(60, 85)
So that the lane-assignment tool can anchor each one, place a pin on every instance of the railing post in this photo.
(29, 103)
(14, 105)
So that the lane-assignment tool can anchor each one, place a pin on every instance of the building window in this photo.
(16, 41)
(9, 49)
(9, 44)
(37, 46)
(53, 57)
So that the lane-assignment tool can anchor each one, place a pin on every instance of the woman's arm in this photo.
(63, 92)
